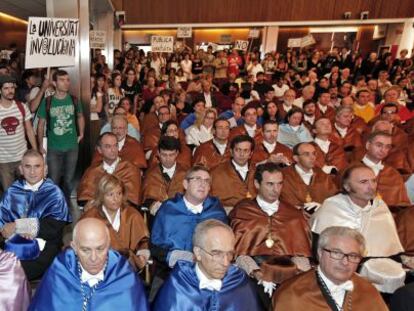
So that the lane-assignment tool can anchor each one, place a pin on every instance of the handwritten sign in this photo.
(184, 32)
(241, 45)
(254, 33)
(225, 38)
(51, 42)
(307, 40)
(97, 39)
(162, 44)
(294, 42)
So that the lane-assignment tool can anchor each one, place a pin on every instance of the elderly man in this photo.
(111, 164)
(287, 103)
(90, 276)
(212, 282)
(333, 285)
(307, 94)
(305, 185)
(163, 181)
(177, 218)
(360, 208)
(14, 288)
(215, 151)
(267, 251)
(129, 148)
(233, 180)
(33, 213)
(270, 150)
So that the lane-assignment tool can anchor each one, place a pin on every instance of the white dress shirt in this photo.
(195, 209)
(376, 167)
(116, 223)
(207, 97)
(269, 147)
(91, 279)
(306, 176)
(121, 144)
(243, 170)
(34, 187)
(169, 171)
(251, 130)
(268, 208)
(221, 147)
(286, 107)
(323, 144)
(110, 168)
(311, 120)
(205, 282)
(322, 108)
(338, 292)
(341, 131)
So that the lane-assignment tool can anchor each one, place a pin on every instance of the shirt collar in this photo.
(91, 279)
(116, 223)
(341, 130)
(110, 168)
(322, 108)
(170, 171)
(34, 187)
(323, 144)
(221, 147)
(205, 282)
(376, 167)
(334, 288)
(311, 119)
(269, 147)
(268, 208)
(244, 168)
(121, 144)
(195, 209)
(302, 172)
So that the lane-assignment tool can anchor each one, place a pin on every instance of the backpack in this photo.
(49, 104)
(21, 108)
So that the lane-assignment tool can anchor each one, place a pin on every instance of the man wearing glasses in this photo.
(177, 218)
(212, 282)
(333, 285)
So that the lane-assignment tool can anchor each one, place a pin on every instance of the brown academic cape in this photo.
(183, 158)
(329, 113)
(335, 156)
(282, 113)
(351, 140)
(156, 188)
(302, 293)
(228, 185)
(410, 156)
(208, 155)
(125, 171)
(261, 154)
(241, 130)
(132, 236)
(289, 231)
(132, 151)
(295, 191)
(405, 227)
(149, 121)
(151, 137)
(359, 124)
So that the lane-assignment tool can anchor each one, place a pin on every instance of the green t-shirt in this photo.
(61, 132)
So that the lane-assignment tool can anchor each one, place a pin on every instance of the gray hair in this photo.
(342, 109)
(203, 227)
(119, 118)
(337, 231)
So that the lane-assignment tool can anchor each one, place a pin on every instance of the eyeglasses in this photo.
(337, 255)
(199, 180)
(219, 255)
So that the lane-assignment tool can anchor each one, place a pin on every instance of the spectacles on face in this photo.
(200, 181)
(337, 255)
(219, 255)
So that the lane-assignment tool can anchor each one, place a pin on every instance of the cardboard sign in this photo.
(162, 44)
(241, 45)
(307, 40)
(254, 33)
(294, 43)
(97, 39)
(184, 32)
(225, 38)
(51, 42)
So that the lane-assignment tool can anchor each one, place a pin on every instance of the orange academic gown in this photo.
(261, 154)
(335, 156)
(241, 130)
(208, 155)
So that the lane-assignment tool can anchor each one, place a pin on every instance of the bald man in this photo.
(90, 276)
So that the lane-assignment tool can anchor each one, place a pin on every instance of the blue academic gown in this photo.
(181, 292)
(174, 224)
(60, 288)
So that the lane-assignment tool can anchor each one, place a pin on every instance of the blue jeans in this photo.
(63, 163)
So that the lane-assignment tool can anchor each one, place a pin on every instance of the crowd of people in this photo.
(221, 180)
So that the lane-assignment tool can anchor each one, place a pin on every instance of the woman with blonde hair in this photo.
(129, 233)
(202, 129)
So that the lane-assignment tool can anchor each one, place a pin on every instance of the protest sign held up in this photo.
(51, 42)
(97, 39)
(241, 45)
(162, 44)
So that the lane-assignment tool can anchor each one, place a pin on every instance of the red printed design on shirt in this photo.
(10, 124)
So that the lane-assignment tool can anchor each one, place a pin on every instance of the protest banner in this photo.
(241, 45)
(254, 33)
(51, 42)
(294, 42)
(184, 32)
(162, 44)
(97, 39)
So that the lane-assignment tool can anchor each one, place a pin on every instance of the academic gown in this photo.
(181, 292)
(48, 204)
(302, 293)
(241, 130)
(289, 231)
(228, 185)
(174, 225)
(125, 171)
(184, 156)
(60, 288)
(208, 155)
(335, 156)
(14, 289)
(261, 154)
